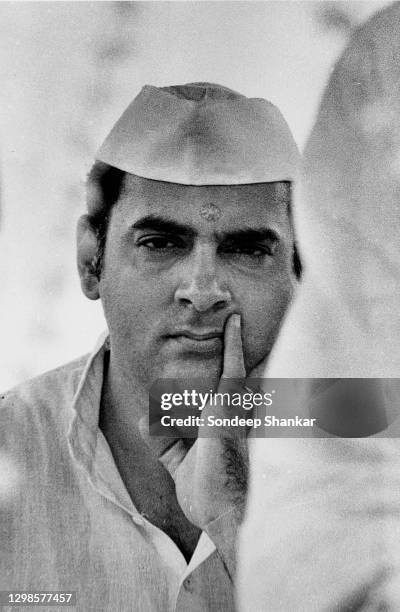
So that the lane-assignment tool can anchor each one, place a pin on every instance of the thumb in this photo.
(169, 451)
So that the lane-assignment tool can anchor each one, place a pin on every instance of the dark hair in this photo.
(104, 186)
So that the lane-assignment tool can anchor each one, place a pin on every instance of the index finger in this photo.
(233, 349)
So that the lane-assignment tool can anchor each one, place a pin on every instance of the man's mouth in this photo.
(199, 341)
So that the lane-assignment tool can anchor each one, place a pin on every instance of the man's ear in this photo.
(86, 253)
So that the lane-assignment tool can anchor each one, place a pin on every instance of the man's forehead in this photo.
(210, 211)
(235, 205)
(158, 192)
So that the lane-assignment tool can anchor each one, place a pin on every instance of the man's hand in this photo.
(211, 476)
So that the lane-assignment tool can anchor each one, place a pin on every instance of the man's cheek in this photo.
(261, 329)
(255, 345)
(122, 317)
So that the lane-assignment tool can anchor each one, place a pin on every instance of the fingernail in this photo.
(236, 320)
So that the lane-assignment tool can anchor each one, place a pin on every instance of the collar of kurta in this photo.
(84, 428)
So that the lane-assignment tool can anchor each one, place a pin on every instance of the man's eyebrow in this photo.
(159, 223)
(163, 224)
(251, 234)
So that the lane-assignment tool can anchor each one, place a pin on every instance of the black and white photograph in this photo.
(200, 306)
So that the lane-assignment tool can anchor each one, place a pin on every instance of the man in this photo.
(188, 242)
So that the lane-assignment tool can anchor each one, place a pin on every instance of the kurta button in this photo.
(187, 585)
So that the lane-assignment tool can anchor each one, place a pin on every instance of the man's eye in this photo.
(251, 250)
(159, 243)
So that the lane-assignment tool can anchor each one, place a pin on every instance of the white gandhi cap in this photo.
(201, 134)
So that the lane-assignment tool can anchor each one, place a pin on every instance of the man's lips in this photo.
(204, 341)
(199, 335)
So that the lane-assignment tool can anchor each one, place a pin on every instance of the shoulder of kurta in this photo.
(44, 399)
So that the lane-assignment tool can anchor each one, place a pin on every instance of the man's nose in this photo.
(200, 284)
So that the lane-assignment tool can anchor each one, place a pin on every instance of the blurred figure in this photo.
(346, 316)
(9, 480)
(322, 528)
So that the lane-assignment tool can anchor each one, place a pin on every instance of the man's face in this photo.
(179, 261)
